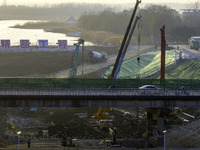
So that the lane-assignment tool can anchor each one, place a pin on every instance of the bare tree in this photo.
(194, 5)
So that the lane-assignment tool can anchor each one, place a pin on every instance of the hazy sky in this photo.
(42, 2)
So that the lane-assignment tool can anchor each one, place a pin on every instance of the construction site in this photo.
(78, 128)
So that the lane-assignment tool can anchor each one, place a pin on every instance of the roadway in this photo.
(191, 53)
(89, 68)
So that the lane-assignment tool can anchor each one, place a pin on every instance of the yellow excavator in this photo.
(103, 119)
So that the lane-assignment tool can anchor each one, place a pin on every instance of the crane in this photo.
(74, 68)
(122, 51)
(100, 115)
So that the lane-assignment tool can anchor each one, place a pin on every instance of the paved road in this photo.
(89, 68)
(191, 53)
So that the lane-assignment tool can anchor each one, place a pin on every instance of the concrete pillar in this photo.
(154, 130)
(149, 129)
(160, 140)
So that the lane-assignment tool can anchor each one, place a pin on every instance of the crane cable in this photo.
(82, 58)
(139, 25)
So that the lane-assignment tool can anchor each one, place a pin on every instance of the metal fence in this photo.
(95, 83)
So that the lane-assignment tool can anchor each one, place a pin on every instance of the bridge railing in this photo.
(95, 83)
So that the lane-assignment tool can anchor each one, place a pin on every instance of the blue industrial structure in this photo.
(74, 68)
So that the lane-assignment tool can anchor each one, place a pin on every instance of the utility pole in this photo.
(162, 73)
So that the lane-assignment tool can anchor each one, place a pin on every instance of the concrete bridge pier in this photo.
(150, 142)
(160, 129)
(154, 127)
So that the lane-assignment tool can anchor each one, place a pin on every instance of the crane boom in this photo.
(124, 51)
(117, 62)
(124, 40)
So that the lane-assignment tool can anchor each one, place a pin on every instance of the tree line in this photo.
(178, 27)
(53, 12)
(109, 26)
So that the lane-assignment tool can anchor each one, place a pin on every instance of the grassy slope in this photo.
(188, 70)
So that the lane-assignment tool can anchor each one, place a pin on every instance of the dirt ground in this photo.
(84, 130)
(180, 135)
(88, 145)
(42, 63)
(54, 145)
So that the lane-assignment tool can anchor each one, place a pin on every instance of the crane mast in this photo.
(74, 68)
(124, 40)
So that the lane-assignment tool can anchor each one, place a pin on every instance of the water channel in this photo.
(15, 34)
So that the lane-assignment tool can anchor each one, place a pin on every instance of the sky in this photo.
(125, 4)
(42, 2)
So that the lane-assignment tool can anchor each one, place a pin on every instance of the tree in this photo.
(194, 5)
(155, 16)
(192, 17)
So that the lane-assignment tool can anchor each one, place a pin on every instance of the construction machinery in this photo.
(178, 112)
(103, 119)
(13, 126)
(96, 57)
(112, 135)
(75, 64)
(168, 111)
(195, 42)
(124, 45)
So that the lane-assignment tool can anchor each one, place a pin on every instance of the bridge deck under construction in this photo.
(50, 92)
(43, 97)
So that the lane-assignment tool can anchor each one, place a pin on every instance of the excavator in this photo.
(103, 119)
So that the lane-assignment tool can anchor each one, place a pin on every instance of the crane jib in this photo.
(124, 39)
(124, 52)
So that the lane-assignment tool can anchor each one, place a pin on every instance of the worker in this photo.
(64, 142)
(70, 142)
(29, 143)
(138, 59)
(102, 141)
(124, 121)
